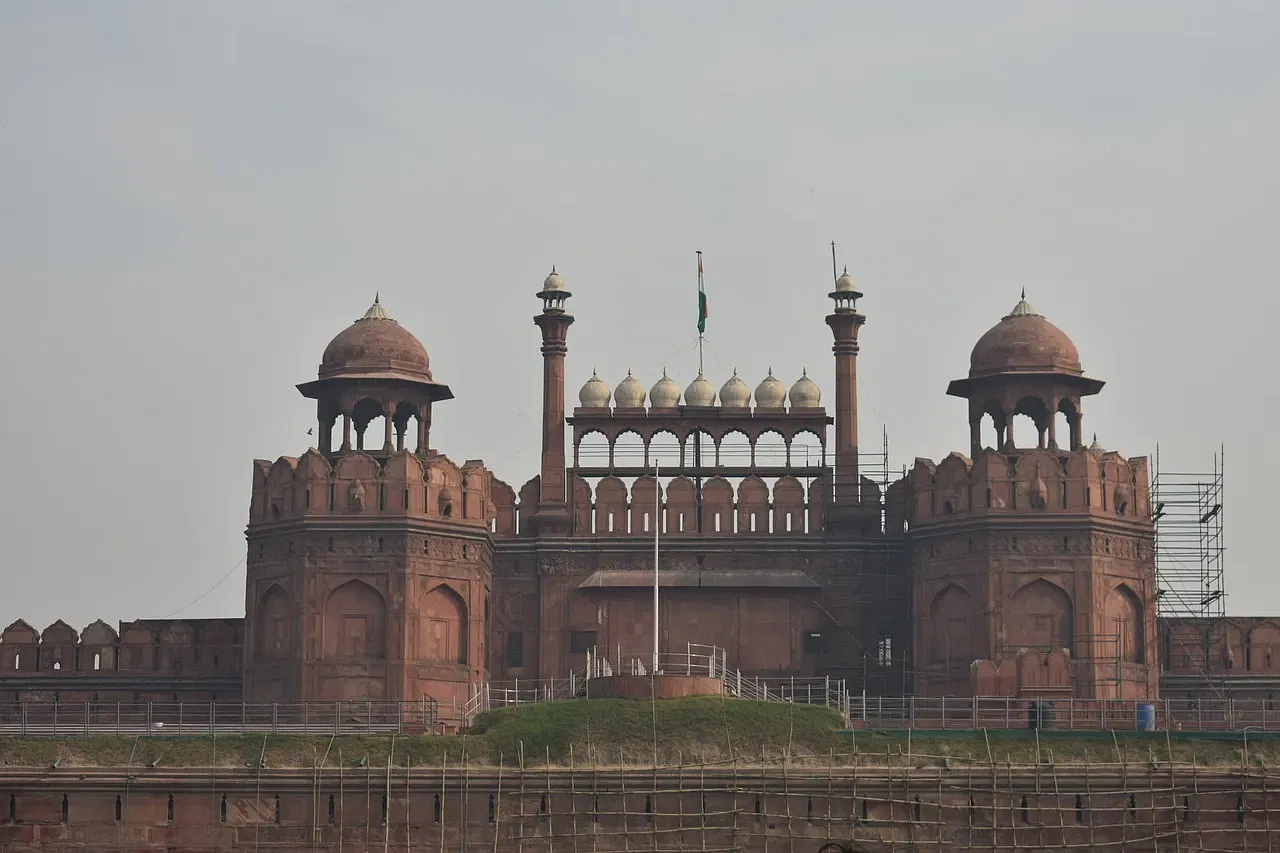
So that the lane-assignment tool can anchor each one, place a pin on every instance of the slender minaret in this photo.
(552, 515)
(845, 322)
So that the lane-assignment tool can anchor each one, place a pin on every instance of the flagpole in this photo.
(657, 526)
(701, 305)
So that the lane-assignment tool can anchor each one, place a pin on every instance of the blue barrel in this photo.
(1146, 717)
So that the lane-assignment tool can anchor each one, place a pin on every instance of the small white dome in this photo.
(805, 394)
(553, 281)
(770, 393)
(735, 394)
(594, 394)
(700, 392)
(1096, 449)
(844, 284)
(629, 394)
(665, 394)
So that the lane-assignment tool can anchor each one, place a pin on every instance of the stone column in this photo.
(389, 430)
(552, 515)
(346, 431)
(844, 324)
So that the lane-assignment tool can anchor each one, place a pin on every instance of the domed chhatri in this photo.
(845, 283)
(553, 281)
(770, 393)
(700, 393)
(665, 394)
(629, 394)
(1024, 342)
(735, 394)
(805, 394)
(375, 347)
(595, 393)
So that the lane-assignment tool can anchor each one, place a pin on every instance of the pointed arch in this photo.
(443, 631)
(274, 634)
(355, 623)
(1124, 615)
(1041, 616)
(952, 623)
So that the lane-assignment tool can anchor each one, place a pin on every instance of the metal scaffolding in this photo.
(1187, 509)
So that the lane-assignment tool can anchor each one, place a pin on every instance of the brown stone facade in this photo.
(1144, 808)
(379, 569)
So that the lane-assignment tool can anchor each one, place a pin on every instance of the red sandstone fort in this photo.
(381, 569)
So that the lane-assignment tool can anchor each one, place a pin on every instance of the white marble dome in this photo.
(594, 394)
(665, 394)
(770, 393)
(845, 284)
(629, 394)
(735, 394)
(805, 394)
(553, 281)
(700, 392)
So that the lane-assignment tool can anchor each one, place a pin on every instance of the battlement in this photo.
(787, 507)
(162, 646)
(1092, 482)
(403, 484)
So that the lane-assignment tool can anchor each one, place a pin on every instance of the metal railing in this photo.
(85, 719)
(37, 719)
(956, 713)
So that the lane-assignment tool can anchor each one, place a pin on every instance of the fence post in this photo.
(975, 712)
(149, 723)
(400, 718)
(337, 718)
(688, 658)
(275, 716)
(912, 725)
(213, 713)
(86, 719)
(24, 719)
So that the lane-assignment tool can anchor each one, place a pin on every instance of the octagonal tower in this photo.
(1033, 565)
(369, 564)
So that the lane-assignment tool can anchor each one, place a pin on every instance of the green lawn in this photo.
(613, 732)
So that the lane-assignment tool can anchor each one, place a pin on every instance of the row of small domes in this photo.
(769, 394)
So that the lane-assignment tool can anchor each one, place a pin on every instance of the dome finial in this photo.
(1024, 293)
(376, 311)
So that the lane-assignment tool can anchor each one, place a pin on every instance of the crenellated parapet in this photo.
(1101, 484)
(358, 484)
(158, 647)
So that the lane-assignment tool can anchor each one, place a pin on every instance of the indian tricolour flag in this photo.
(702, 299)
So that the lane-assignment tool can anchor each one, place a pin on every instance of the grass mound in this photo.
(635, 732)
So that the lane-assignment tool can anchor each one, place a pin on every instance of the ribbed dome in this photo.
(735, 394)
(553, 281)
(805, 394)
(665, 394)
(700, 392)
(629, 394)
(845, 284)
(770, 393)
(1096, 449)
(1024, 342)
(375, 345)
(594, 394)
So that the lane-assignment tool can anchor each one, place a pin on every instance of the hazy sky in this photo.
(195, 197)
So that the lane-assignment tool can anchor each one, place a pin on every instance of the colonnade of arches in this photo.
(996, 426)
(375, 425)
(734, 448)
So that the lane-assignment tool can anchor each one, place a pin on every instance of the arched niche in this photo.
(952, 624)
(611, 507)
(788, 506)
(753, 506)
(1040, 615)
(645, 505)
(443, 619)
(682, 507)
(1124, 621)
(355, 623)
(273, 640)
(717, 506)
